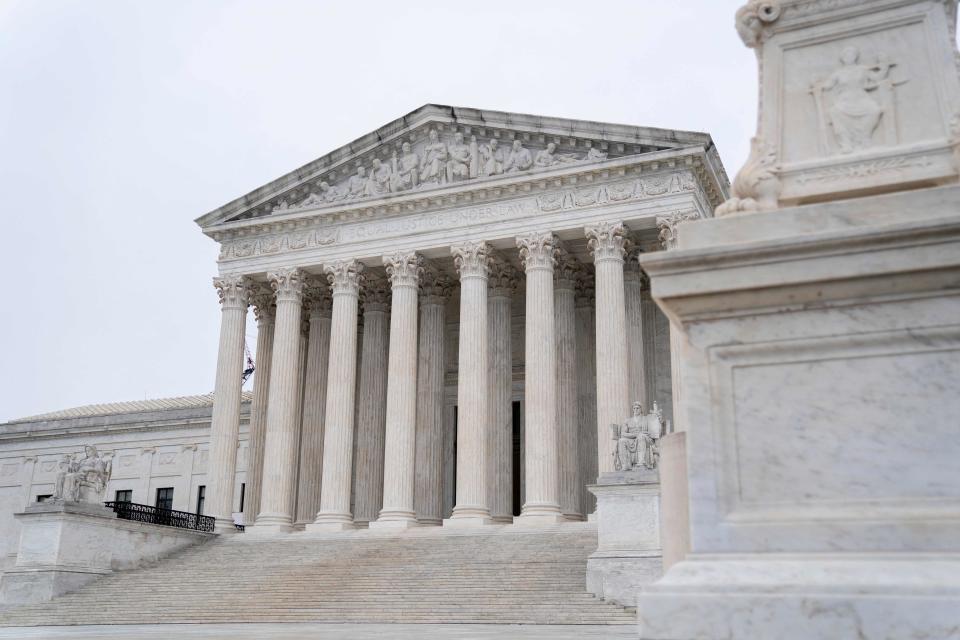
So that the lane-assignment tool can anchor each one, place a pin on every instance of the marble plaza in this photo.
(515, 369)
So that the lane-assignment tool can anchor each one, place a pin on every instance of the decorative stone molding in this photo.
(471, 258)
(538, 250)
(233, 290)
(317, 298)
(188, 447)
(264, 303)
(643, 179)
(586, 286)
(566, 270)
(756, 187)
(376, 294)
(753, 19)
(345, 276)
(288, 283)
(607, 240)
(434, 285)
(403, 268)
(668, 225)
(503, 277)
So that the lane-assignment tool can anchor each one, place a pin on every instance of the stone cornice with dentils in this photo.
(481, 191)
(617, 139)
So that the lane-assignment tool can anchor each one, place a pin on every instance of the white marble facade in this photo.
(488, 227)
(450, 268)
(154, 444)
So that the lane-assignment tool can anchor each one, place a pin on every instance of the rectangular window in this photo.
(165, 498)
(44, 497)
(123, 495)
(201, 498)
(243, 491)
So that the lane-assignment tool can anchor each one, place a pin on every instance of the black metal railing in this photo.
(165, 517)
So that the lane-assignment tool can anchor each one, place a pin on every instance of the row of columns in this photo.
(399, 421)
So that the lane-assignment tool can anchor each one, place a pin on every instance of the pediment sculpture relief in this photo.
(437, 162)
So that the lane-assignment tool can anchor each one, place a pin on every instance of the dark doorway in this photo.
(516, 458)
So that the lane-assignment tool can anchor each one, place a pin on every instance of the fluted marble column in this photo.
(265, 311)
(568, 418)
(587, 385)
(225, 421)
(471, 260)
(606, 241)
(318, 302)
(503, 283)
(542, 504)
(399, 473)
(632, 283)
(345, 277)
(371, 412)
(280, 452)
(431, 367)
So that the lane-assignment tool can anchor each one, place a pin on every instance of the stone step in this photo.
(424, 577)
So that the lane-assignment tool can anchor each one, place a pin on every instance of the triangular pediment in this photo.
(437, 147)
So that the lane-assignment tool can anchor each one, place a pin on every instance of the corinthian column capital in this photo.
(233, 290)
(471, 258)
(538, 250)
(403, 268)
(566, 270)
(607, 240)
(345, 276)
(317, 299)
(264, 303)
(503, 277)
(288, 283)
(434, 285)
(668, 226)
(376, 294)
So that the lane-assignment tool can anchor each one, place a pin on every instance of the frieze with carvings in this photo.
(648, 186)
(437, 158)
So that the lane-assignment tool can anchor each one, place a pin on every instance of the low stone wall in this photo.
(64, 546)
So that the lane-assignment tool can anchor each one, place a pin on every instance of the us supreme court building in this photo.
(449, 315)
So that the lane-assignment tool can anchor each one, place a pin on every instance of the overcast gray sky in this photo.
(122, 121)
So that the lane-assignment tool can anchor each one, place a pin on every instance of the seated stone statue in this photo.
(83, 480)
(637, 439)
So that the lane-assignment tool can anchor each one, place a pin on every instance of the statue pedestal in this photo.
(629, 553)
(821, 375)
(63, 546)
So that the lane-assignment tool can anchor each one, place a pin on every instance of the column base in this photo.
(361, 524)
(430, 522)
(573, 517)
(539, 515)
(466, 516)
(222, 525)
(501, 519)
(332, 522)
(269, 528)
(394, 524)
(538, 519)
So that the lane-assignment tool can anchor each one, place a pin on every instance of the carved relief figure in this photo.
(357, 185)
(406, 169)
(83, 480)
(380, 179)
(594, 155)
(636, 439)
(459, 165)
(434, 162)
(491, 159)
(519, 158)
(549, 157)
(853, 99)
(330, 194)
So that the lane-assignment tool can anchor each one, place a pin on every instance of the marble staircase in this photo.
(501, 574)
